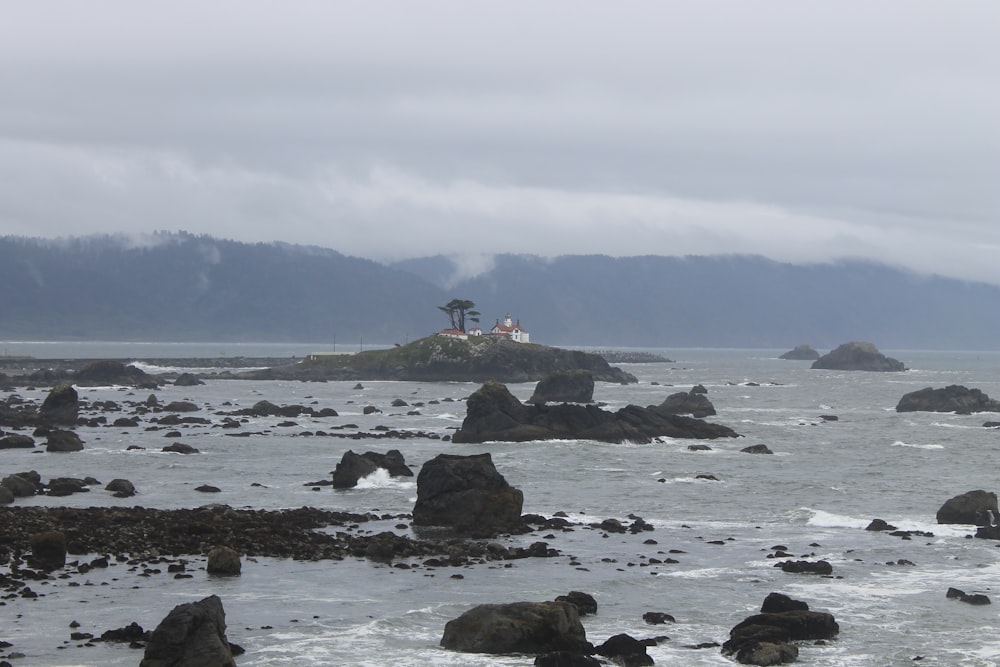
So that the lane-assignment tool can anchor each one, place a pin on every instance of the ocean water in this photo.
(824, 483)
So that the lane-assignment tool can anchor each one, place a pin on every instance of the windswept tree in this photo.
(459, 311)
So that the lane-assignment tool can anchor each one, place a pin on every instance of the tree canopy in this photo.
(459, 311)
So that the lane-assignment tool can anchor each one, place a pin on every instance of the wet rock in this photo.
(122, 488)
(132, 632)
(519, 627)
(954, 398)
(66, 486)
(180, 448)
(223, 560)
(585, 602)
(48, 550)
(858, 356)
(16, 441)
(187, 380)
(625, 650)
(778, 602)
(180, 406)
(20, 486)
(972, 507)
(191, 634)
(61, 407)
(208, 488)
(63, 441)
(108, 372)
(820, 567)
(657, 618)
(6, 496)
(493, 413)
(569, 386)
(353, 467)
(763, 639)
(878, 525)
(757, 449)
(688, 403)
(962, 596)
(466, 493)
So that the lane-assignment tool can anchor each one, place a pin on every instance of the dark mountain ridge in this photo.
(183, 287)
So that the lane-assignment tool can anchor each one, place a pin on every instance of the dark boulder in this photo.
(763, 639)
(820, 567)
(688, 403)
(353, 467)
(658, 618)
(801, 353)
(22, 485)
(973, 507)
(180, 406)
(132, 632)
(48, 550)
(191, 634)
(757, 449)
(187, 380)
(180, 448)
(493, 413)
(962, 596)
(109, 372)
(122, 488)
(858, 357)
(519, 627)
(466, 493)
(6, 496)
(16, 441)
(572, 386)
(879, 525)
(61, 407)
(223, 560)
(954, 398)
(585, 602)
(625, 650)
(66, 486)
(778, 602)
(63, 441)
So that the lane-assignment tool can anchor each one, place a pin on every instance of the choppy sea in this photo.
(825, 481)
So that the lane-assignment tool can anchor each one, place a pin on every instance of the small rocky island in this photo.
(801, 353)
(443, 359)
(953, 398)
(858, 357)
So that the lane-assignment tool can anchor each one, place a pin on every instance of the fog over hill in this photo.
(182, 287)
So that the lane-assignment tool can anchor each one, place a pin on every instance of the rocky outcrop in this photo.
(972, 507)
(858, 357)
(801, 353)
(962, 596)
(624, 650)
(109, 372)
(519, 627)
(493, 413)
(121, 488)
(61, 407)
(576, 386)
(764, 639)
(693, 403)
(187, 380)
(953, 398)
(191, 634)
(467, 494)
(353, 467)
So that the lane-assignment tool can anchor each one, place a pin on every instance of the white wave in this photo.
(381, 479)
(692, 480)
(900, 443)
(823, 519)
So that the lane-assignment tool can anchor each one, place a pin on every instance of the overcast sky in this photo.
(803, 131)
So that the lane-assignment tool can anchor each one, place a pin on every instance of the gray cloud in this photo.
(801, 131)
